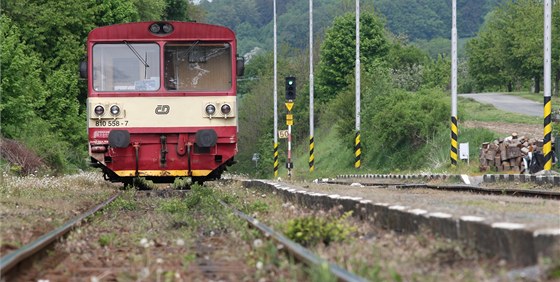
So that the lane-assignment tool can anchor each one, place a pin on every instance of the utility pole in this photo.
(311, 88)
(454, 127)
(275, 99)
(547, 146)
(357, 142)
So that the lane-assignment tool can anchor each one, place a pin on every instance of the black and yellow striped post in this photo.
(275, 159)
(454, 151)
(547, 144)
(311, 154)
(357, 150)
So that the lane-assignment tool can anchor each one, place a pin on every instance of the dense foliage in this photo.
(508, 52)
(414, 19)
(338, 52)
(43, 100)
(424, 19)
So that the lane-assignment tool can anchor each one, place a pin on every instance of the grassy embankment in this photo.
(332, 157)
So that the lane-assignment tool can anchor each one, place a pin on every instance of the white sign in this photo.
(464, 151)
(283, 134)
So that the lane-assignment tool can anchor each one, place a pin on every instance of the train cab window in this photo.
(197, 66)
(126, 67)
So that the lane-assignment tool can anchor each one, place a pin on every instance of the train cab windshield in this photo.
(188, 66)
(197, 66)
(126, 67)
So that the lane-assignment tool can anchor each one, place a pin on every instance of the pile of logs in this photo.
(507, 154)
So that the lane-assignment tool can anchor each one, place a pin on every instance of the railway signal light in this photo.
(290, 88)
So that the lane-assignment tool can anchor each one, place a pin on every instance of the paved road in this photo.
(509, 103)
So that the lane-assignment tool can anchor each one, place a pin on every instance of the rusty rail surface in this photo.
(299, 251)
(13, 259)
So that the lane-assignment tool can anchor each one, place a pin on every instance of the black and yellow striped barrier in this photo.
(454, 151)
(357, 150)
(547, 142)
(276, 159)
(311, 154)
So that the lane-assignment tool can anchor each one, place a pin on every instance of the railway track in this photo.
(14, 262)
(296, 249)
(201, 251)
(487, 222)
(184, 235)
(457, 188)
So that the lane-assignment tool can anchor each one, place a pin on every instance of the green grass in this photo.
(333, 157)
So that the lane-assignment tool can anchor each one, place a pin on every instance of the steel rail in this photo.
(552, 195)
(300, 252)
(9, 261)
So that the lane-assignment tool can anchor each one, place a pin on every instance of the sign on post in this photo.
(464, 151)
(283, 134)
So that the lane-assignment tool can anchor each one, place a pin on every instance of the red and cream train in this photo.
(162, 100)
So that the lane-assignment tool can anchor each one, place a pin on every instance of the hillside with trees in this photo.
(412, 19)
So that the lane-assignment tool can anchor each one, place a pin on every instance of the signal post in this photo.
(290, 97)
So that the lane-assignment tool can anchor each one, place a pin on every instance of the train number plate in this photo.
(112, 123)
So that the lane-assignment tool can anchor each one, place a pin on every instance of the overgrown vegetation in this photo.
(311, 230)
(43, 101)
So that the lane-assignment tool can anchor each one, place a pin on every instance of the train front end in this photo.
(162, 100)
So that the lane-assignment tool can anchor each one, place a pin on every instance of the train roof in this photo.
(181, 31)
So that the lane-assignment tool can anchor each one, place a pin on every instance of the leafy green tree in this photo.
(150, 10)
(406, 62)
(426, 19)
(509, 48)
(21, 86)
(437, 73)
(526, 23)
(110, 12)
(62, 108)
(176, 10)
(489, 62)
(255, 114)
(338, 52)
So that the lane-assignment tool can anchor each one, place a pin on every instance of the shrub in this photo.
(22, 160)
(311, 230)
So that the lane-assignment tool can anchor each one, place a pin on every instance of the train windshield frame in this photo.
(198, 66)
(126, 67)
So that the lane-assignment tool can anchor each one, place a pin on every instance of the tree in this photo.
(509, 48)
(21, 87)
(176, 10)
(406, 62)
(527, 39)
(338, 52)
(150, 10)
(489, 54)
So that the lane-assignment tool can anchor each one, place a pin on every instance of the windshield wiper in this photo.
(142, 60)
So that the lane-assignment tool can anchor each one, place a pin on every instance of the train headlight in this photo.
(210, 109)
(226, 109)
(167, 28)
(155, 28)
(115, 110)
(99, 110)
